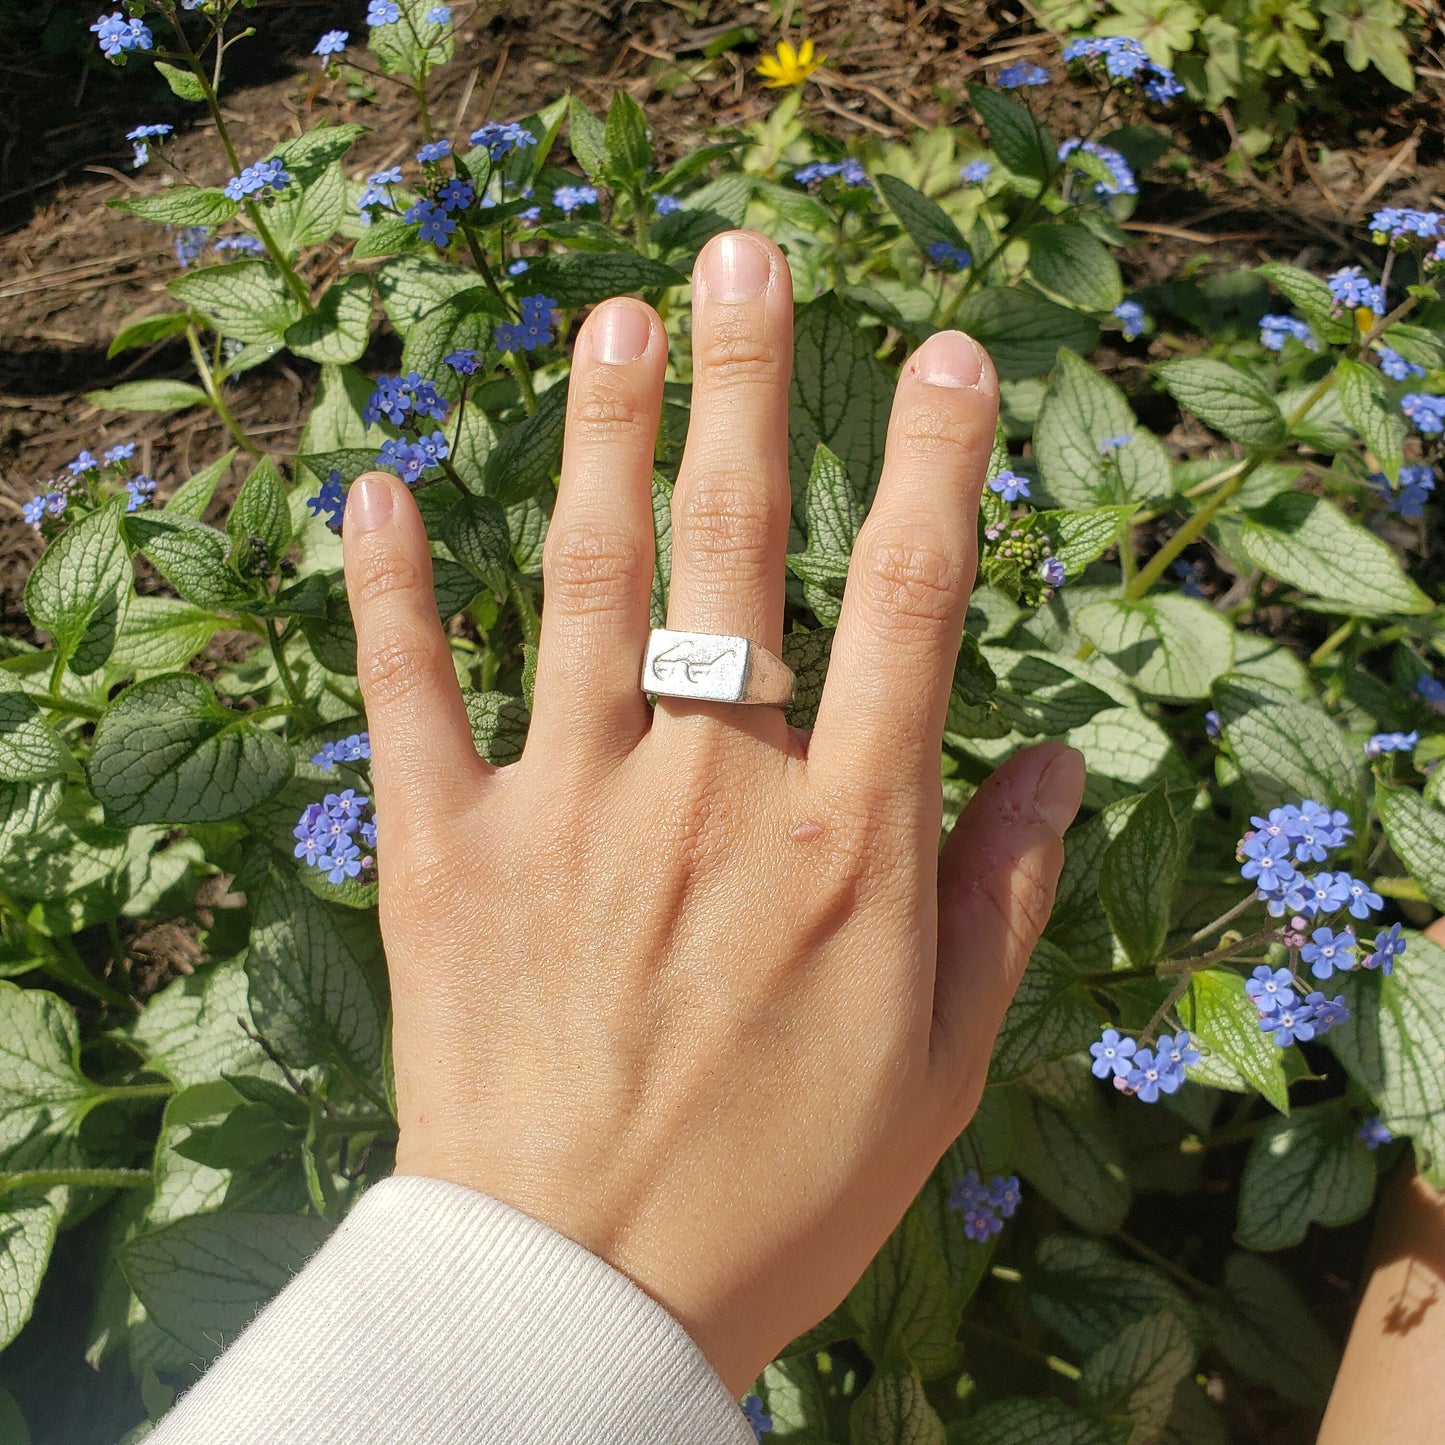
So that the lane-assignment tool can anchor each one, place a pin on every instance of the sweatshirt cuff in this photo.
(437, 1314)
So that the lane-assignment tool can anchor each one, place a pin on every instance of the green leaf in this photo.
(25, 808)
(182, 82)
(1052, 1015)
(499, 725)
(1041, 693)
(1126, 753)
(588, 138)
(1021, 143)
(1038, 1422)
(1226, 399)
(1303, 1169)
(1137, 1372)
(1225, 1025)
(245, 300)
(30, 749)
(1311, 298)
(1264, 1328)
(315, 151)
(349, 461)
(411, 286)
(462, 322)
(1287, 749)
(834, 510)
(44, 1096)
(624, 139)
(840, 396)
(181, 206)
(926, 222)
(1394, 1048)
(308, 213)
(1086, 1293)
(245, 1139)
(311, 985)
(584, 279)
(147, 331)
(244, 1259)
(167, 751)
(78, 588)
(904, 1306)
(1067, 1150)
(807, 654)
(261, 510)
(1074, 267)
(1170, 647)
(894, 1410)
(1308, 542)
(193, 496)
(1082, 408)
(529, 455)
(149, 396)
(1416, 831)
(338, 330)
(27, 1230)
(662, 547)
(475, 531)
(1140, 874)
(1367, 404)
(1023, 331)
(190, 556)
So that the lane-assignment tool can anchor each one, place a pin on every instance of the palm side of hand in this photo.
(686, 984)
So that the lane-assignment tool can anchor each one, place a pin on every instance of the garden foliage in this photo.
(1230, 1010)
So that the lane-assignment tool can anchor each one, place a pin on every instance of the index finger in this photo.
(883, 707)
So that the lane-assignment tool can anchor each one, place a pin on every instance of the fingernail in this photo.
(620, 333)
(736, 268)
(1060, 790)
(368, 505)
(950, 358)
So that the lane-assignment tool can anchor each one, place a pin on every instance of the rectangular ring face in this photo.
(696, 664)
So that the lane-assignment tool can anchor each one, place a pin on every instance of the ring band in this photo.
(714, 668)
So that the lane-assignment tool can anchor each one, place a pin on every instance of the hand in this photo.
(688, 985)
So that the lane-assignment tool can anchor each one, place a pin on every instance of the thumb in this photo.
(996, 880)
(421, 741)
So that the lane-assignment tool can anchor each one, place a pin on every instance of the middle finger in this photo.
(731, 506)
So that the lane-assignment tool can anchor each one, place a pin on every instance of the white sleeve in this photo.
(436, 1315)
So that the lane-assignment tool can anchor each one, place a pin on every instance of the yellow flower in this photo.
(789, 66)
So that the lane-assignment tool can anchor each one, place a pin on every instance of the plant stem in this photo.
(526, 612)
(213, 391)
(1053, 1362)
(74, 709)
(1334, 641)
(1216, 955)
(1403, 888)
(455, 477)
(1160, 1261)
(11, 1183)
(288, 679)
(523, 373)
(109, 1093)
(1224, 918)
(356, 1124)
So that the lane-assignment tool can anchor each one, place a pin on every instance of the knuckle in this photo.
(912, 578)
(383, 575)
(582, 566)
(734, 349)
(731, 518)
(607, 410)
(395, 668)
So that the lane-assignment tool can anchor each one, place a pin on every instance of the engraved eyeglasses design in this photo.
(694, 661)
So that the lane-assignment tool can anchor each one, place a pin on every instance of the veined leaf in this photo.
(1225, 1025)
(1416, 830)
(78, 589)
(1225, 398)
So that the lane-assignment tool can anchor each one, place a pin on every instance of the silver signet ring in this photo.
(713, 668)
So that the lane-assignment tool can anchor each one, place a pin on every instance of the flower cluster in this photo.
(1395, 226)
(267, 177)
(976, 171)
(947, 256)
(332, 501)
(1124, 59)
(377, 192)
(1009, 485)
(1119, 180)
(1284, 1015)
(87, 481)
(405, 401)
(1432, 690)
(1349, 286)
(1289, 835)
(1373, 1134)
(1131, 318)
(1144, 1072)
(1011, 77)
(142, 136)
(355, 748)
(1426, 412)
(1382, 743)
(572, 198)
(117, 33)
(331, 834)
(1408, 498)
(850, 172)
(985, 1206)
(1018, 545)
(1394, 365)
(535, 329)
(332, 43)
(501, 138)
(1274, 331)
(756, 1416)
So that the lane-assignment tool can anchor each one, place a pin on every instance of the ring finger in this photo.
(731, 506)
